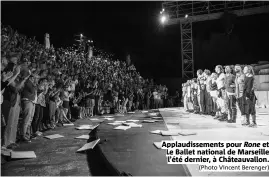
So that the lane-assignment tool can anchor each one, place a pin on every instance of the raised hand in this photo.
(17, 69)
(7, 75)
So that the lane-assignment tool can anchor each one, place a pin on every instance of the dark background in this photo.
(133, 27)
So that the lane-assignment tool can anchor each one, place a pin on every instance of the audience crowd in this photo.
(43, 88)
(226, 94)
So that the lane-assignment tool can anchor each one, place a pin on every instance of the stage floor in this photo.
(131, 151)
(207, 128)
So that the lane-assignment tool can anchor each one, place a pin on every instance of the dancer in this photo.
(222, 93)
(239, 87)
(230, 90)
(249, 96)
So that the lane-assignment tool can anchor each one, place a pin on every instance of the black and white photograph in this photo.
(134, 88)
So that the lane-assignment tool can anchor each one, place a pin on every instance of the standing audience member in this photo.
(52, 103)
(38, 123)
(155, 98)
(29, 99)
(11, 115)
(40, 94)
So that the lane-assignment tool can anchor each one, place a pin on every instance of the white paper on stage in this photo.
(89, 145)
(156, 117)
(54, 136)
(114, 123)
(109, 118)
(84, 137)
(131, 120)
(6, 152)
(149, 121)
(122, 128)
(186, 133)
(156, 132)
(68, 124)
(158, 145)
(97, 120)
(87, 127)
(134, 125)
(169, 133)
(94, 119)
(119, 121)
(23, 155)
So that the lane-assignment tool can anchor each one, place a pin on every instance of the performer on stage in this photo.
(249, 96)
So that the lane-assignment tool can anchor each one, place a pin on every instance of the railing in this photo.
(179, 9)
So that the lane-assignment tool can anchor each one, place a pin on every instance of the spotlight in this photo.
(163, 19)
(186, 16)
(163, 10)
(81, 35)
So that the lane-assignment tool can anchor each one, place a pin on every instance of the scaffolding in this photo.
(187, 12)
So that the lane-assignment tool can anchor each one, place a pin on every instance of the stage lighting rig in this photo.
(163, 17)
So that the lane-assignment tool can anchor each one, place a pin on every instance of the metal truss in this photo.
(187, 12)
(187, 50)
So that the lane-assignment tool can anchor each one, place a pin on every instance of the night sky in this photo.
(133, 27)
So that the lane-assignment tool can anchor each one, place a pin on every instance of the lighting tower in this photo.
(187, 12)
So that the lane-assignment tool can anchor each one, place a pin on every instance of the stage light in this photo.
(186, 16)
(163, 10)
(81, 35)
(163, 19)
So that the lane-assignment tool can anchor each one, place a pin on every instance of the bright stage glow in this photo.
(163, 19)
(186, 16)
(81, 35)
